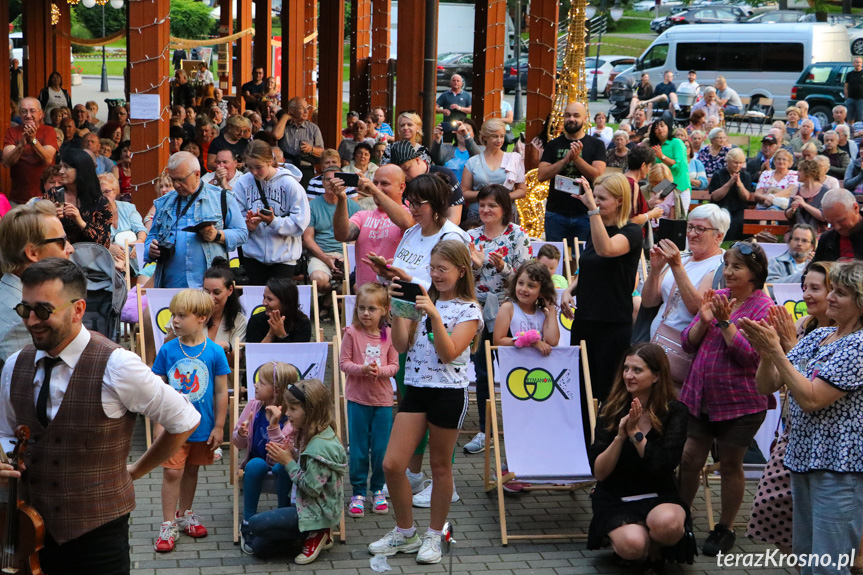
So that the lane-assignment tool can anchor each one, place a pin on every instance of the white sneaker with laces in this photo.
(423, 498)
(417, 483)
(430, 550)
(476, 445)
(395, 542)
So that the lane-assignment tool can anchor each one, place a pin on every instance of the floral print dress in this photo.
(513, 244)
(713, 164)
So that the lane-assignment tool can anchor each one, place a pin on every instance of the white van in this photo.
(757, 60)
(16, 47)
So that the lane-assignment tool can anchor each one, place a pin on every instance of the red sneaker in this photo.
(191, 524)
(168, 534)
(314, 544)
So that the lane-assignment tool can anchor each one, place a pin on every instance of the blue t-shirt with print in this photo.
(194, 376)
(322, 215)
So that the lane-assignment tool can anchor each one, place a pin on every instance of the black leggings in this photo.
(606, 343)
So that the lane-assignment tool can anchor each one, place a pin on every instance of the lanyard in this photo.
(191, 201)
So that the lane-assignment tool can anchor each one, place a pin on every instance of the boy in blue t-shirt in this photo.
(196, 367)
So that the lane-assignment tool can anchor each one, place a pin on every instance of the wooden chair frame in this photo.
(493, 437)
(236, 474)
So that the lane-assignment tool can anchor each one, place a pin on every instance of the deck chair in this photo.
(106, 289)
(540, 398)
(348, 302)
(773, 250)
(310, 359)
(563, 266)
(789, 296)
(349, 252)
(252, 297)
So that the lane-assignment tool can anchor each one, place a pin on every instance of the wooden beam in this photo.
(293, 28)
(411, 37)
(310, 51)
(38, 46)
(244, 48)
(263, 34)
(149, 57)
(5, 99)
(489, 48)
(542, 17)
(226, 51)
(361, 51)
(331, 61)
(62, 45)
(379, 63)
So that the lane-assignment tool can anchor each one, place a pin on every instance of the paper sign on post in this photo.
(145, 106)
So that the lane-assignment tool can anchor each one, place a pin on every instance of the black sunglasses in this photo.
(58, 240)
(744, 248)
(42, 311)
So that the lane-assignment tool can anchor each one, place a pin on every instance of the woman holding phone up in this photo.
(277, 213)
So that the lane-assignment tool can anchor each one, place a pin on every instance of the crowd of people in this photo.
(683, 360)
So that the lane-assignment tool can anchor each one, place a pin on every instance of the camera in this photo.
(166, 250)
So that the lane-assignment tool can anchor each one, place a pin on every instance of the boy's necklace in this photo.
(189, 356)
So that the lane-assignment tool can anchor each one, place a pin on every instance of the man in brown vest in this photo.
(79, 394)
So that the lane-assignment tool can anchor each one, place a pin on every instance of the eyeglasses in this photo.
(43, 311)
(698, 230)
(184, 178)
(361, 309)
(416, 204)
(59, 240)
(439, 270)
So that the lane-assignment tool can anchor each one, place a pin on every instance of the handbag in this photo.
(668, 339)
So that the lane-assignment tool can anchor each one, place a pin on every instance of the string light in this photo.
(531, 208)
(571, 84)
(55, 15)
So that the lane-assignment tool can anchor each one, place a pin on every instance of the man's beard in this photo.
(571, 127)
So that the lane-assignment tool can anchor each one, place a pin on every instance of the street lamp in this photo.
(616, 14)
(116, 4)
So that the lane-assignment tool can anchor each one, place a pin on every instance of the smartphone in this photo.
(664, 188)
(409, 290)
(352, 180)
(567, 185)
(265, 212)
(60, 195)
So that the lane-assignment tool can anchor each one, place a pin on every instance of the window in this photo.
(740, 57)
(818, 75)
(696, 56)
(840, 77)
(655, 57)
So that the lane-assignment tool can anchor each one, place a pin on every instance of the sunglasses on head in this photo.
(42, 311)
(744, 248)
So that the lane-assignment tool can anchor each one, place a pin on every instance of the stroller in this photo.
(106, 289)
(620, 95)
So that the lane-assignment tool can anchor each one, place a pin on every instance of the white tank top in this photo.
(522, 322)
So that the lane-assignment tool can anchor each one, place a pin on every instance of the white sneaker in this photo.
(423, 498)
(417, 483)
(395, 542)
(430, 550)
(476, 445)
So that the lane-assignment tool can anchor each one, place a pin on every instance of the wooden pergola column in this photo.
(488, 47)
(263, 35)
(331, 62)
(293, 27)
(542, 18)
(244, 48)
(310, 51)
(409, 66)
(149, 61)
(379, 63)
(62, 43)
(226, 28)
(361, 51)
(5, 182)
(39, 46)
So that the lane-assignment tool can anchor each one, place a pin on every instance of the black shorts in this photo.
(444, 406)
(739, 431)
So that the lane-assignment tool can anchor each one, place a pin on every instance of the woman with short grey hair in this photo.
(618, 155)
(713, 156)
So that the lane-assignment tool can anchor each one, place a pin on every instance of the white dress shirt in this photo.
(128, 385)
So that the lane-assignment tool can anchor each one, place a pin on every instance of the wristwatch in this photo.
(637, 438)
(723, 324)
(34, 141)
(593, 212)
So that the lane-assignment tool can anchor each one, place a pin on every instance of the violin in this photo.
(22, 532)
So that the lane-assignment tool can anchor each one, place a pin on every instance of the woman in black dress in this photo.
(640, 433)
(281, 321)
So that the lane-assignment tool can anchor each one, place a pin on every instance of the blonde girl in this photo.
(436, 395)
(315, 461)
(263, 421)
(369, 360)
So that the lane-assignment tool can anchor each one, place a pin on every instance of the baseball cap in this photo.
(769, 139)
(403, 151)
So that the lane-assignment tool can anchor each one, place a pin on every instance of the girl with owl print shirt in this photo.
(369, 360)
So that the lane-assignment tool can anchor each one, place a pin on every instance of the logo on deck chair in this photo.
(302, 373)
(163, 318)
(797, 309)
(537, 384)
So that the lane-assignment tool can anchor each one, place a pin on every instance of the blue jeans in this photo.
(272, 529)
(560, 228)
(256, 470)
(855, 110)
(369, 431)
(828, 516)
(730, 110)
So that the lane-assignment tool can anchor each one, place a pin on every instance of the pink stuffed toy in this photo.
(526, 338)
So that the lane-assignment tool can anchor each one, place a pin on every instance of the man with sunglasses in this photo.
(80, 394)
(193, 224)
(28, 234)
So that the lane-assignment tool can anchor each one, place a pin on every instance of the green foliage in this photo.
(16, 23)
(91, 18)
(191, 20)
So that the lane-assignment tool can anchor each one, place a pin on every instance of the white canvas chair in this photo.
(253, 296)
(564, 265)
(349, 252)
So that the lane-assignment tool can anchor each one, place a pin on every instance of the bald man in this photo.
(379, 230)
(455, 105)
(573, 154)
(27, 150)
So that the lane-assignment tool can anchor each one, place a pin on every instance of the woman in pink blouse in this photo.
(780, 182)
(720, 390)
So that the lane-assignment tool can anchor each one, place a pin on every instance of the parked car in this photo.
(647, 5)
(604, 69)
(747, 8)
(778, 17)
(455, 63)
(822, 86)
(509, 77)
(855, 35)
(708, 15)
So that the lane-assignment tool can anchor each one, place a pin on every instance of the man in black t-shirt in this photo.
(405, 155)
(573, 154)
(252, 91)
(854, 91)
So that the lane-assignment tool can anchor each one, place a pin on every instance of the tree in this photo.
(91, 18)
(191, 20)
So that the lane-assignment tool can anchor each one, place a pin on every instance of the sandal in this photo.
(357, 507)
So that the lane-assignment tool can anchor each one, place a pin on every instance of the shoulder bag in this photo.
(668, 339)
